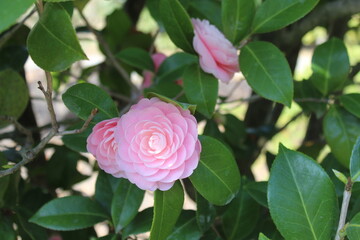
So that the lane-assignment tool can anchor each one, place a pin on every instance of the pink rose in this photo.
(157, 144)
(157, 58)
(101, 143)
(217, 55)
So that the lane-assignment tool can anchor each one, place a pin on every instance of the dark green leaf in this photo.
(82, 98)
(205, 213)
(234, 130)
(6, 229)
(173, 67)
(301, 197)
(351, 103)
(177, 24)
(105, 188)
(136, 57)
(263, 237)
(14, 94)
(206, 9)
(267, 71)
(353, 229)
(52, 42)
(69, 213)
(241, 216)
(10, 10)
(186, 227)
(184, 106)
(341, 130)
(355, 162)
(167, 209)
(4, 183)
(140, 224)
(125, 203)
(13, 57)
(77, 142)
(258, 191)
(276, 14)
(330, 64)
(58, 0)
(237, 16)
(201, 89)
(30, 230)
(223, 176)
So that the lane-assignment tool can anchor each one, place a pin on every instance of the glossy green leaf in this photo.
(241, 216)
(136, 57)
(69, 213)
(223, 176)
(258, 191)
(205, 213)
(77, 142)
(14, 94)
(341, 130)
(82, 98)
(186, 227)
(355, 162)
(201, 89)
(330, 65)
(353, 229)
(184, 106)
(301, 197)
(177, 24)
(267, 71)
(167, 209)
(263, 237)
(140, 224)
(10, 10)
(276, 14)
(351, 103)
(52, 42)
(237, 16)
(173, 67)
(105, 188)
(125, 203)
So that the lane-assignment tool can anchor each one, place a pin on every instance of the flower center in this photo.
(157, 143)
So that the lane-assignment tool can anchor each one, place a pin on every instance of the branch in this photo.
(111, 56)
(84, 126)
(20, 128)
(48, 98)
(327, 13)
(344, 209)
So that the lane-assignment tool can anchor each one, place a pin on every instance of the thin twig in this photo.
(182, 92)
(84, 126)
(48, 98)
(344, 209)
(120, 96)
(152, 47)
(20, 128)
(111, 56)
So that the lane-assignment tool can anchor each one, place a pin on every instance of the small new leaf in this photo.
(340, 176)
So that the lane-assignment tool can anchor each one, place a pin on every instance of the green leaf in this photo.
(140, 224)
(69, 213)
(241, 217)
(341, 130)
(125, 204)
(237, 16)
(14, 94)
(167, 209)
(330, 65)
(4, 183)
(301, 197)
(353, 229)
(205, 213)
(10, 10)
(58, 0)
(234, 130)
(201, 89)
(267, 71)
(136, 57)
(206, 9)
(276, 14)
(77, 142)
(186, 227)
(184, 106)
(351, 103)
(177, 24)
(52, 42)
(173, 67)
(263, 237)
(340, 176)
(105, 188)
(355, 162)
(30, 230)
(258, 191)
(82, 98)
(80, 4)
(223, 176)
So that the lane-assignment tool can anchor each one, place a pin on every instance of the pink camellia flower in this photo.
(157, 144)
(157, 58)
(101, 143)
(217, 55)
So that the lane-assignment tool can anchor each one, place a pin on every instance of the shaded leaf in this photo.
(184, 106)
(355, 162)
(205, 213)
(258, 191)
(77, 142)
(140, 224)
(353, 229)
(267, 71)
(136, 57)
(351, 103)
(185, 227)
(105, 188)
